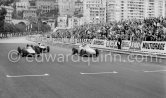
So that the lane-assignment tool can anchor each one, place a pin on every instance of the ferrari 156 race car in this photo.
(43, 48)
(86, 51)
(29, 50)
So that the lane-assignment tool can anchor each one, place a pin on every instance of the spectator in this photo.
(152, 29)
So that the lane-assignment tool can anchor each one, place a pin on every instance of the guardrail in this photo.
(149, 47)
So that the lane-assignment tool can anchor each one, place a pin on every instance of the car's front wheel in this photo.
(81, 52)
(37, 49)
(24, 53)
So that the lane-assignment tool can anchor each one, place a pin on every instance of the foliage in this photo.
(14, 28)
(45, 28)
(3, 12)
(20, 27)
(40, 27)
(6, 2)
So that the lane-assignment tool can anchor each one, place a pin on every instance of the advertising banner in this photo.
(126, 44)
(135, 46)
(98, 43)
(152, 46)
(111, 44)
(72, 41)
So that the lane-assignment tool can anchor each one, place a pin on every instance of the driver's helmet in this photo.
(27, 45)
(32, 46)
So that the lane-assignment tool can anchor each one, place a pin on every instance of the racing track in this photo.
(70, 79)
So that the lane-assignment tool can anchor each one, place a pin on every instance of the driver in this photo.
(39, 44)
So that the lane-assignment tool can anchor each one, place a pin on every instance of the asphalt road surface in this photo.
(66, 76)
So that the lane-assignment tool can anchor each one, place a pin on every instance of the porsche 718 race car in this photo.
(30, 50)
(85, 50)
(43, 48)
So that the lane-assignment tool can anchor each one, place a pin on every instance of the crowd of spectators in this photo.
(18, 34)
(151, 29)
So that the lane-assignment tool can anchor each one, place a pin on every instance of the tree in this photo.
(45, 28)
(6, 2)
(3, 12)
(8, 27)
(20, 27)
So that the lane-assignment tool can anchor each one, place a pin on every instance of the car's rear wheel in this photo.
(97, 52)
(74, 51)
(48, 49)
(19, 50)
(83, 53)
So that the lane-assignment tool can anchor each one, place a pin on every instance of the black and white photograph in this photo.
(82, 48)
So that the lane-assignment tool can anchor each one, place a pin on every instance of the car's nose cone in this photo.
(91, 51)
(30, 51)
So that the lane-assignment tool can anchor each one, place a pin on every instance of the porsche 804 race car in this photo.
(85, 50)
(29, 50)
(43, 48)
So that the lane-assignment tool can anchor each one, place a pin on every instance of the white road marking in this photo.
(8, 76)
(155, 71)
(114, 72)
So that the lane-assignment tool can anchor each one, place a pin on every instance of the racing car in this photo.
(29, 50)
(43, 48)
(85, 50)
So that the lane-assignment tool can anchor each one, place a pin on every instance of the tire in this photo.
(41, 50)
(37, 50)
(81, 52)
(24, 53)
(48, 49)
(97, 52)
(74, 51)
(19, 50)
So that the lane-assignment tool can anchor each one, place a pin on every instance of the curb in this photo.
(127, 52)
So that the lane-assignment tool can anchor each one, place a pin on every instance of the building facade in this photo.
(78, 8)
(46, 5)
(8, 17)
(66, 7)
(30, 13)
(155, 8)
(113, 12)
(135, 9)
(94, 11)
(62, 22)
(22, 5)
(75, 21)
